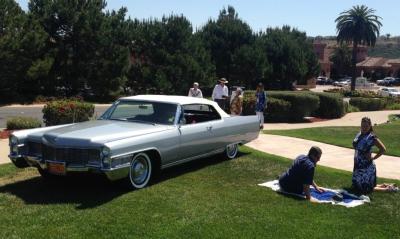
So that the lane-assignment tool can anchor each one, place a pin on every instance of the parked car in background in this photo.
(389, 92)
(342, 82)
(323, 80)
(363, 83)
(134, 138)
(394, 82)
(385, 81)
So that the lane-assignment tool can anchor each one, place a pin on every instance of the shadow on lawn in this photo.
(90, 190)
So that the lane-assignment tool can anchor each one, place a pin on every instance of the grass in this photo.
(208, 198)
(388, 133)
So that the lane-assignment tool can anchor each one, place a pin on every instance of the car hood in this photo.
(96, 132)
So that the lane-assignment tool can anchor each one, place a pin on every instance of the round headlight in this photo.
(105, 152)
(13, 140)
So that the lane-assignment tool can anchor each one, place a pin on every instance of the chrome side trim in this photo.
(192, 158)
(134, 152)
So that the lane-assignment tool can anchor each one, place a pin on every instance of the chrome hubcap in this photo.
(231, 150)
(139, 170)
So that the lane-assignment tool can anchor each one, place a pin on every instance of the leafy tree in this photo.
(341, 59)
(11, 24)
(109, 63)
(223, 38)
(358, 26)
(89, 47)
(167, 57)
(22, 53)
(250, 65)
(291, 56)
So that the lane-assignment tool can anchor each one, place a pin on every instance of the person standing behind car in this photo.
(236, 102)
(195, 91)
(220, 93)
(261, 101)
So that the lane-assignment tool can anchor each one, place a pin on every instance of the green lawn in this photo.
(205, 199)
(343, 136)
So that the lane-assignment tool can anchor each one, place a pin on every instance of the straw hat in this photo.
(223, 80)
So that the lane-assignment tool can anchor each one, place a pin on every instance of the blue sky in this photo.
(312, 16)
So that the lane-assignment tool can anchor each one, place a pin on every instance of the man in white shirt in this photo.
(220, 93)
(195, 91)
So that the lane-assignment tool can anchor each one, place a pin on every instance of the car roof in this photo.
(177, 99)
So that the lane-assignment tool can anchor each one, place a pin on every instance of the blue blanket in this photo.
(333, 196)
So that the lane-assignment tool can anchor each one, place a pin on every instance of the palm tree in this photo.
(358, 26)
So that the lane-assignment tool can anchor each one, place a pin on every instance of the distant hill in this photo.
(388, 48)
(384, 47)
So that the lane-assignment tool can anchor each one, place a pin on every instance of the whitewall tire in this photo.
(231, 151)
(140, 171)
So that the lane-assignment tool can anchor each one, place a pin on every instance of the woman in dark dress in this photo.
(364, 172)
(261, 101)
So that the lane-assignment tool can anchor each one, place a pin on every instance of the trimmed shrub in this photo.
(368, 104)
(23, 123)
(331, 106)
(302, 103)
(350, 108)
(66, 111)
(249, 103)
(283, 106)
(357, 93)
(393, 107)
(277, 110)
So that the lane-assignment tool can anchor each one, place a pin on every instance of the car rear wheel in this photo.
(231, 151)
(140, 171)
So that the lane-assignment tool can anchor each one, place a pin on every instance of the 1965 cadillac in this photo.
(134, 137)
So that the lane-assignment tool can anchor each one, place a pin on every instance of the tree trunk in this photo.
(354, 66)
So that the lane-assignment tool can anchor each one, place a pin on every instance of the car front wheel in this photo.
(231, 151)
(140, 170)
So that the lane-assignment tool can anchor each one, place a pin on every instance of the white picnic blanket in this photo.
(349, 200)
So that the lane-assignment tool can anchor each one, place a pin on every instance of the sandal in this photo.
(391, 188)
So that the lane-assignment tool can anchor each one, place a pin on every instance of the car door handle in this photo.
(209, 128)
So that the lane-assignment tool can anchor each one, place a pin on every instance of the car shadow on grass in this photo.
(90, 190)
(87, 191)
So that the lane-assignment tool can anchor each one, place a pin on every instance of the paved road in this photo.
(34, 111)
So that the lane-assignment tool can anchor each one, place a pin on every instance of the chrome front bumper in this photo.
(119, 172)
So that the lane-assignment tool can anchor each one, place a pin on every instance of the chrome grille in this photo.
(71, 156)
(34, 149)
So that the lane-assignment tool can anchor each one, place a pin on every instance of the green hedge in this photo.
(368, 104)
(302, 103)
(356, 93)
(23, 123)
(249, 103)
(66, 111)
(283, 106)
(278, 110)
(331, 106)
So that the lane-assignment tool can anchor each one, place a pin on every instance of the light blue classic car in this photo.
(135, 137)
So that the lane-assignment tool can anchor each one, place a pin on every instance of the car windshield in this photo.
(142, 111)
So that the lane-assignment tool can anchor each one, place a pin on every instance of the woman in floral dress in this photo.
(364, 172)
